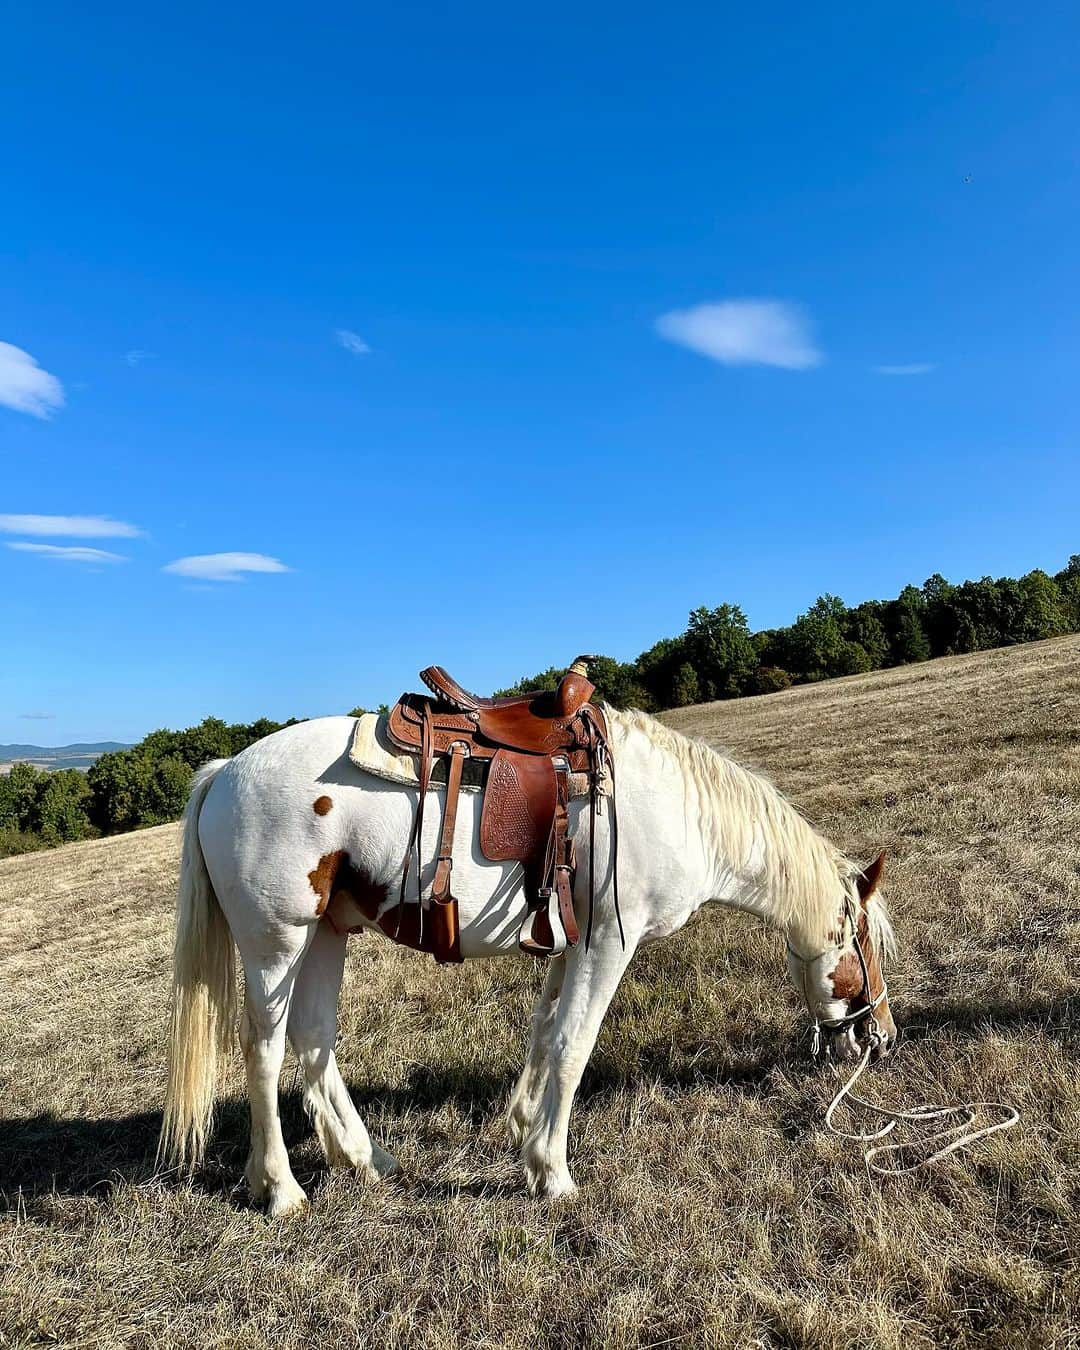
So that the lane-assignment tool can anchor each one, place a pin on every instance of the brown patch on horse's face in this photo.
(323, 875)
(321, 805)
(847, 977)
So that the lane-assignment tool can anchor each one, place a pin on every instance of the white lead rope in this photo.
(921, 1113)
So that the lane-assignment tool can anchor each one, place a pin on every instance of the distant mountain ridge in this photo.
(77, 756)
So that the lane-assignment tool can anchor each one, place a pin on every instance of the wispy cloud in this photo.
(744, 333)
(224, 566)
(24, 386)
(352, 342)
(137, 356)
(74, 553)
(37, 717)
(916, 368)
(70, 527)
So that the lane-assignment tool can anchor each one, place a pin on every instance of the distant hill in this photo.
(79, 756)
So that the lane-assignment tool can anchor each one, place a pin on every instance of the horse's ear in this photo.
(870, 879)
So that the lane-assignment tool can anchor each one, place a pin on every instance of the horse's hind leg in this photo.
(313, 1027)
(525, 1097)
(268, 990)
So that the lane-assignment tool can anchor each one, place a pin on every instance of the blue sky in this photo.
(626, 294)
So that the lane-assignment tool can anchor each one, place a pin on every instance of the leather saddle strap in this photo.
(416, 835)
(601, 761)
(440, 890)
(560, 863)
(445, 924)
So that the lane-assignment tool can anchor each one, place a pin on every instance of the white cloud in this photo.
(37, 717)
(744, 333)
(224, 566)
(76, 553)
(71, 527)
(24, 386)
(916, 368)
(136, 356)
(352, 342)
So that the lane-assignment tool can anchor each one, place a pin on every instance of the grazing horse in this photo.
(272, 835)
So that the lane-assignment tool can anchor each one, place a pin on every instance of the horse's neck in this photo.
(790, 875)
(759, 854)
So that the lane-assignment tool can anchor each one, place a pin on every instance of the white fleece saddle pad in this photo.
(372, 750)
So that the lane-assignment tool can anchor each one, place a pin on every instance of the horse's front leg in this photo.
(590, 980)
(525, 1097)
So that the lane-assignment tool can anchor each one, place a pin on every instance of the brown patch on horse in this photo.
(355, 891)
(322, 877)
(847, 978)
(356, 897)
(321, 805)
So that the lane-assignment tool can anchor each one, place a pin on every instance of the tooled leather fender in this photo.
(518, 807)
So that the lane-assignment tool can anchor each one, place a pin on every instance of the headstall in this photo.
(871, 1005)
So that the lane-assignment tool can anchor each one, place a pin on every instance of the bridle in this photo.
(849, 1019)
(958, 1135)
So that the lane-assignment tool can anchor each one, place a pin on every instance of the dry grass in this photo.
(714, 1209)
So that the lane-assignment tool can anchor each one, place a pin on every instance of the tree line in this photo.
(147, 784)
(716, 657)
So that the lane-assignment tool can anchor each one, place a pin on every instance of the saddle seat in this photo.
(537, 722)
(532, 743)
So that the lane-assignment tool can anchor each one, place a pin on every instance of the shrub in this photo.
(768, 680)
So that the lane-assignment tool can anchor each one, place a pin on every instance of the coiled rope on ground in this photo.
(968, 1111)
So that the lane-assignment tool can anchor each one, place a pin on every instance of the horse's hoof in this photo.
(285, 1198)
(384, 1164)
(544, 1185)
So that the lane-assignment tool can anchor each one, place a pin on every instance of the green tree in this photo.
(720, 650)
(1044, 614)
(912, 644)
(816, 639)
(545, 679)
(686, 688)
(904, 620)
(18, 794)
(658, 670)
(863, 625)
(59, 810)
(617, 683)
(119, 785)
(165, 791)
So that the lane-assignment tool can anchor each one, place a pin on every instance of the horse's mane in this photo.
(803, 876)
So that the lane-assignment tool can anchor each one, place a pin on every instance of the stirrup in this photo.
(542, 932)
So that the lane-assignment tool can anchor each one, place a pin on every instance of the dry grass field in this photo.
(714, 1208)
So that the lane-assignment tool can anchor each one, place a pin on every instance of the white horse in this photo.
(271, 834)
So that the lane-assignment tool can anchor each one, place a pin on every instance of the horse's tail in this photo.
(203, 1005)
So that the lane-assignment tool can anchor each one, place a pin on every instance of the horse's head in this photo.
(844, 987)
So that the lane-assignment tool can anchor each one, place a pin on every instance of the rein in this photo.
(967, 1111)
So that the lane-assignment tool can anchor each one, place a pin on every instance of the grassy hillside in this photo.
(714, 1209)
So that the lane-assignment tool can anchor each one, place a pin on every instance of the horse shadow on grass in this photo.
(47, 1155)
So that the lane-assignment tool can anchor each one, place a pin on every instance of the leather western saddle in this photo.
(531, 746)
